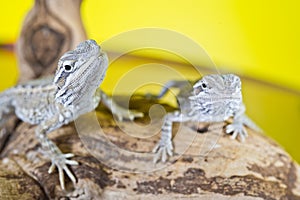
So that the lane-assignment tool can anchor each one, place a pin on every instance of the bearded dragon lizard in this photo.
(214, 98)
(53, 102)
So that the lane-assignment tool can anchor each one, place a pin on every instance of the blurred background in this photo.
(258, 40)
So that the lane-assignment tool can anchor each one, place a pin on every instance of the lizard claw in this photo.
(238, 130)
(60, 161)
(162, 151)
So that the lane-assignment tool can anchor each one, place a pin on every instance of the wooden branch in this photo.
(258, 168)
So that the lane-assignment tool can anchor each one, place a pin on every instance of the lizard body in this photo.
(214, 98)
(53, 102)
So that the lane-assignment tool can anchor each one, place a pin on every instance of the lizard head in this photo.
(218, 95)
(218, 85)
(80, 72)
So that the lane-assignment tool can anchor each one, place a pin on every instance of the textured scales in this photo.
(53, 102)
(214, 98)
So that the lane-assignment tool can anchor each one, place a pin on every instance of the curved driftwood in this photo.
(50, 28)
(213, 167)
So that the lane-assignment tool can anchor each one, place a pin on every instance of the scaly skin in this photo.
(53, 102)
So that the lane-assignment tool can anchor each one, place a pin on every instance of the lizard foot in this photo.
(60, 161)
(238, 130)
(128, 114)
(162, 150)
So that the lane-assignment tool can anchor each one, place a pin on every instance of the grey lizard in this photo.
(214, 98)
(53, 102)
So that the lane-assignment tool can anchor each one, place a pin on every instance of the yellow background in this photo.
(259, 39)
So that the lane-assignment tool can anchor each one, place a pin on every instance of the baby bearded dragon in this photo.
(214, 98)
(51, 103)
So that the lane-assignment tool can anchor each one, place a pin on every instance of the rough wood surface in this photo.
(257, 169)
(50, 28)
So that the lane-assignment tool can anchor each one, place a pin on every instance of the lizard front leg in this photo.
(237, 127)
(164, 147)
(116, 110)
(58, 159)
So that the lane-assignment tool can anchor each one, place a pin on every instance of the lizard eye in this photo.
(204, 85)
(68, 65)
(68, 68)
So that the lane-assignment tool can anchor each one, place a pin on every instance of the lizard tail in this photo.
(171, 84)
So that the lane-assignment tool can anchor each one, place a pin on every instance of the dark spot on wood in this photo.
(30, 140)
(134, 145)
(191, 172)
(169, 173)
(154, 187)
(121, 144)
(187, 159)
(120, 185)
(202, 129)
(116, 128)
(173, 161)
